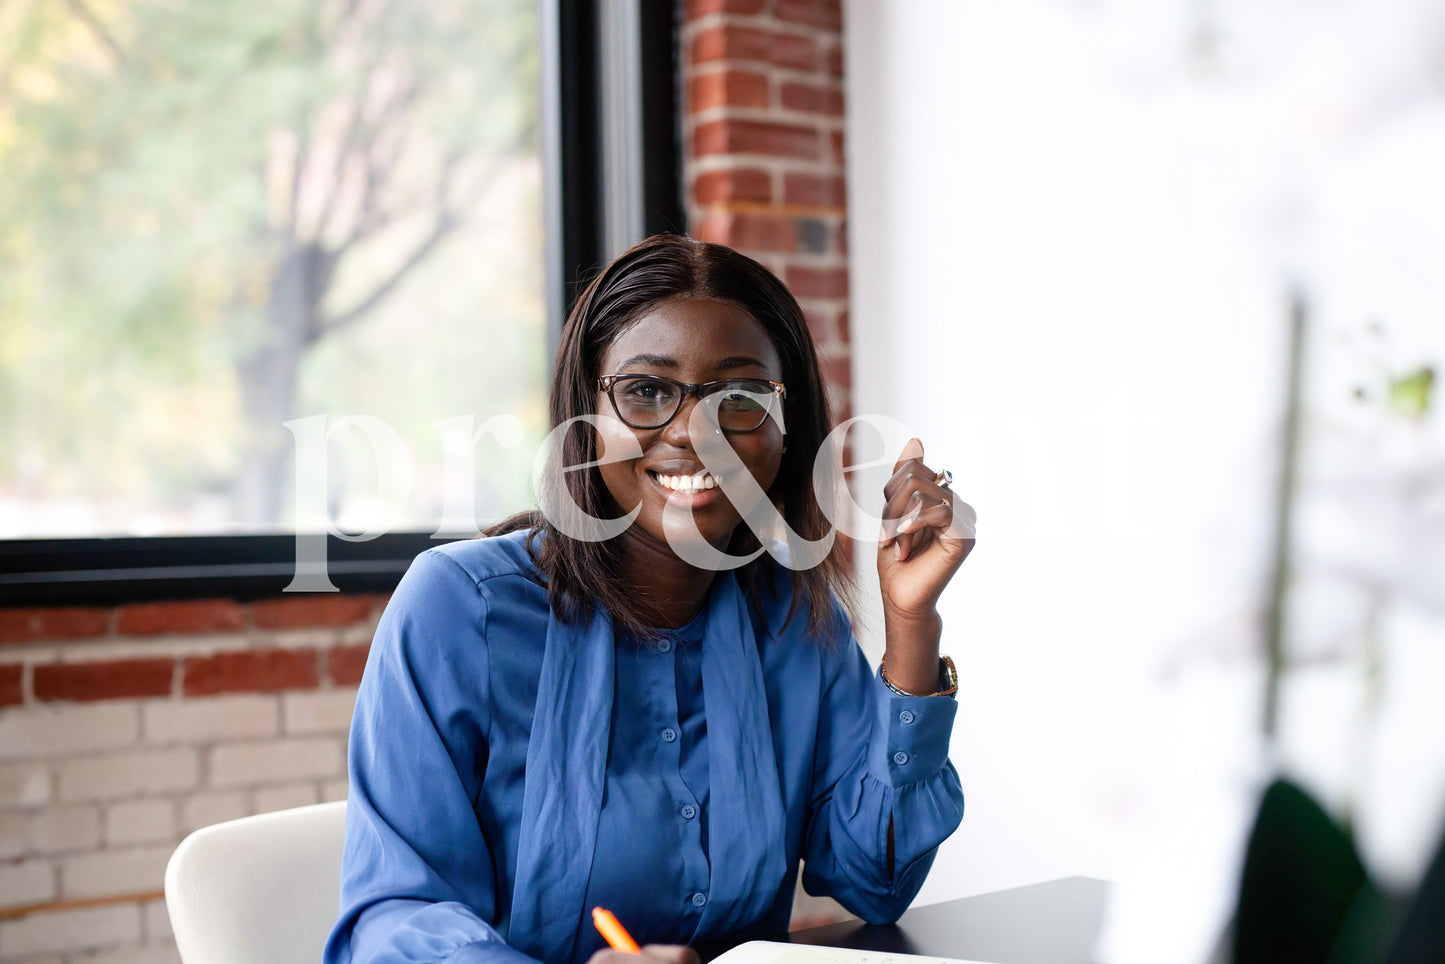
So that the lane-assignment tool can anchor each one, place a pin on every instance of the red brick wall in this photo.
(32, 642)
(763, 131)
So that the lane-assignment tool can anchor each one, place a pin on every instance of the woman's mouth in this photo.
(691, 491)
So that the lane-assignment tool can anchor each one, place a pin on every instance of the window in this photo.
(228, 226)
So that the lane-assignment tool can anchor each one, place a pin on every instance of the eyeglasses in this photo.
(651, 401)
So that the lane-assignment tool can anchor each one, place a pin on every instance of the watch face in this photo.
(948, 676)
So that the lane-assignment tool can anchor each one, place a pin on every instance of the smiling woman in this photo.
(695, 313)
(549, 724)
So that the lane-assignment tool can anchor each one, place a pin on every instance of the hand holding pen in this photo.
(625, 950)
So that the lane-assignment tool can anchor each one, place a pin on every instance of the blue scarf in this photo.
(567, 759)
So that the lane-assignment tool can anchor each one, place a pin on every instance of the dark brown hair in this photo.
(582, 574)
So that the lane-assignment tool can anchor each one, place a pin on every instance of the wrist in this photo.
(908, 627)
(911, 652)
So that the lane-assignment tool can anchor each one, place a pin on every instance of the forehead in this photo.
(697, 333)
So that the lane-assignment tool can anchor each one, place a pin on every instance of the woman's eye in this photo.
(740, 400)
(649, 391)
(748, 395)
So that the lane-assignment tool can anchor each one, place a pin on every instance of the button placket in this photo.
(670, 743)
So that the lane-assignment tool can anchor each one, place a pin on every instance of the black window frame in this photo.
(104, 571)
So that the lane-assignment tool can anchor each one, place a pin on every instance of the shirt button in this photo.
(664, 646)
(906, 717)
(688, 811)
(698, 899)
(668, 735)
(900, 758)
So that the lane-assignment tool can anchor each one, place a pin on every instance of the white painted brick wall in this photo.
(209, 720)
(55, 731)
(69, 930)
(284, 798)
(333, 790)
(95, 797)
(322, 711)
(14, 834)
(26, 882)
(157, 923)
(276, 761)
(61, 829)
(24, 784)
(129, 774)
(147, 954)
(107, 873)
(203, 809)
(135, 647)
(140, 821)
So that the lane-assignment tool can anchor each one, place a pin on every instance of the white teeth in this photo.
(689, 483)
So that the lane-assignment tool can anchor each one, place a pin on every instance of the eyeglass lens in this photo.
(644, 401)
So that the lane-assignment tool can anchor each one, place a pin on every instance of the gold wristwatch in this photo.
(946, 671)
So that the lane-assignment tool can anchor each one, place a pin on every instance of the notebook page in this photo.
(772, 952)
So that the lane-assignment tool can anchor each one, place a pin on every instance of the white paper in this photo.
(772, 952)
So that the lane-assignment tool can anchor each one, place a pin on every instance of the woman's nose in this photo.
(678, 431)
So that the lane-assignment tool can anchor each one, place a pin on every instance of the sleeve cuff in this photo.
(912, 734)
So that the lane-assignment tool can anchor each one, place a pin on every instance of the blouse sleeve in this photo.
(879, 756)
(416, 875)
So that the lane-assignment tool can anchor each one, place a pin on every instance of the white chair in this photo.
(259, 889)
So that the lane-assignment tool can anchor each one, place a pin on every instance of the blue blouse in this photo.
(510, 771)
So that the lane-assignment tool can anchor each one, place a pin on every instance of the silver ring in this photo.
(944, 478)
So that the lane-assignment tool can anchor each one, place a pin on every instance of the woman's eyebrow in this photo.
(667, 361)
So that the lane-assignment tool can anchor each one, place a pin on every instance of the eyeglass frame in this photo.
(606, 383)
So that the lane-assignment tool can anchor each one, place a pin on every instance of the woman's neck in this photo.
(670, 592)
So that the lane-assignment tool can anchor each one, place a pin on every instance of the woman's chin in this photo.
(679, 535)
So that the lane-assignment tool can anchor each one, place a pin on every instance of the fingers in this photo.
(917, 509)
(901, 478)
(954, 523)
(921, 525)
(907, 467)
(671, 953)
(915, 494)
(651, 954)
(929, 515)
(913, 449)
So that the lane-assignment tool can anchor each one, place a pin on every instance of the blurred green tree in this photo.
(194, 186)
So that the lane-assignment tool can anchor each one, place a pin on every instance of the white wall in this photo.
(1071, 246)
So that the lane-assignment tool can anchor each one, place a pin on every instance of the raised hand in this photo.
(927, 533)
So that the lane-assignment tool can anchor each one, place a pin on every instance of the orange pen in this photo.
(615, 933)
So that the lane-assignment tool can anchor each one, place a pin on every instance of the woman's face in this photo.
(691, 340)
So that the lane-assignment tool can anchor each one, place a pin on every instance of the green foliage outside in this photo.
(217, 215)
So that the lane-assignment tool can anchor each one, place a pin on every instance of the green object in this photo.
(1410, 394)
(1301, 877)
(1421, 935)
(1306, 898)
